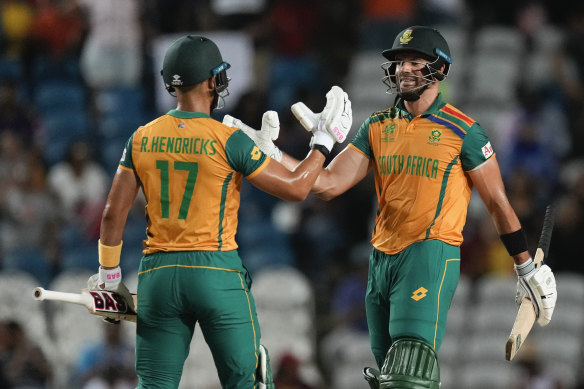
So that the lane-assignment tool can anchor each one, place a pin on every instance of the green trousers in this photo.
(409, 294)
(177, 290)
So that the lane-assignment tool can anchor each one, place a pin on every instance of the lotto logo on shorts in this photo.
(419, 293)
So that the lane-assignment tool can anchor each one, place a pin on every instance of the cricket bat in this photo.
(526, 315)
(107, 304)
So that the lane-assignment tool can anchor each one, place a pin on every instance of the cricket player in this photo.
(190, 168)
(426, 156)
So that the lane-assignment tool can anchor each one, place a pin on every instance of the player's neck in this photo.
(193, 105)
(197, 99)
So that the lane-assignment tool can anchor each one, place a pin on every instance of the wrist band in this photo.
(322, 149)
(525, 268)
(109, 256)
(515, 242)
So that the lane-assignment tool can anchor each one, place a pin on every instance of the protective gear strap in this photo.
(109, 256)
(372, 377)
(410, 364)
(525, 268)
(515, 242)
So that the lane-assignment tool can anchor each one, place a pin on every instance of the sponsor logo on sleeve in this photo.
(487, 150)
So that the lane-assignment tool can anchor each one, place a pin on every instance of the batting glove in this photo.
(265, 137)
(106, 279)
(539, 285)
(332, 124)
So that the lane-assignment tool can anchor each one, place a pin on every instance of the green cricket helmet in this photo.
(192, 59)
(422, 40)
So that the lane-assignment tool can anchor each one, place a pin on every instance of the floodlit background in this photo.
(77, 77)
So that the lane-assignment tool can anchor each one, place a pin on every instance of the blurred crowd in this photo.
(62, 132)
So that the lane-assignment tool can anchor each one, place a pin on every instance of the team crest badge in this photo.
(434, 137)
(388, 133)
(406, 37)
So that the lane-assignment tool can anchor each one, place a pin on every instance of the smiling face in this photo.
(411, 72)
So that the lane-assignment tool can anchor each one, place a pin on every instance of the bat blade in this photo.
(102, 303)
(524, 321)
(526, 317)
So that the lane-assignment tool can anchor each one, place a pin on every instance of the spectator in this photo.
(24, 362)
(532, 374)
(348, 299)
(58, 28)
(15, 116)
(112, 54)
(30, 215)
(569, 69)
(16, 18)
(288, 374)
(569, 220)
(293, 26)
(381, 20)
(531, 147)
(107, 364)
(80, 185)
(14, 159)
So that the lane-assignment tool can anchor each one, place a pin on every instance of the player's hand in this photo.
(105, 279)
(265, 137)
(539, 285)
(332, 124)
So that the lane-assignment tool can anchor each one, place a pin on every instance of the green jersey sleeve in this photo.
(126, 159)
(361, 139)
(476, 148)
(242, 153)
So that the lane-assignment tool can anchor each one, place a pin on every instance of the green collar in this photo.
(434, 108)
(187, 115)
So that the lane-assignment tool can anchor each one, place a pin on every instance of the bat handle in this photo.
(38, 293)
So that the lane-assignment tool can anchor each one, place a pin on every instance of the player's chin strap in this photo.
(264, 378)
(409, 364)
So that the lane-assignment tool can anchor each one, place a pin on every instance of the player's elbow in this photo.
(325, 193)
(112, 215)
(298, 193)
(324, 196)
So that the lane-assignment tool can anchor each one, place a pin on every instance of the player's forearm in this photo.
(304, 175)
(324, 187)
(294, 184)
(122, 194)
(112, 226)
(345, 171)
(289, 162)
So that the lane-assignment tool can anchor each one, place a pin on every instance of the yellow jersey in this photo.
(420, 166)
(190, 167)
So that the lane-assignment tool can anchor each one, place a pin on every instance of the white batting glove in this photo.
(265, 137)
(109, 278)
(539, 285)
(332, 124)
